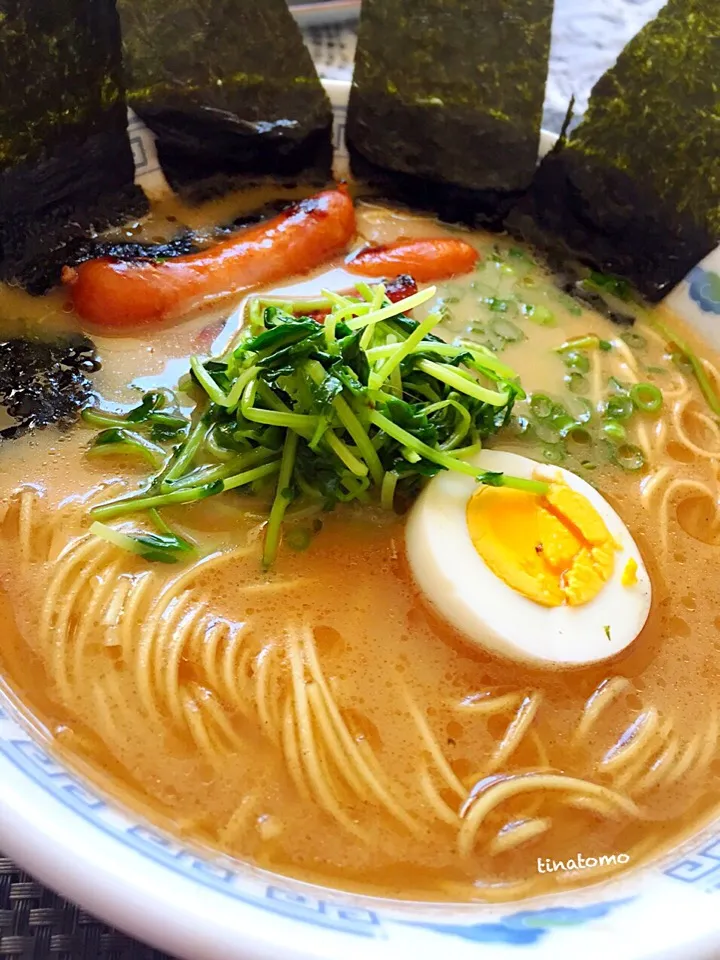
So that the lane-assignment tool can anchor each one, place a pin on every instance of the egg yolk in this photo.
(554, 549)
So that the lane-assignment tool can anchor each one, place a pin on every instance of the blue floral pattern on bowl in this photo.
(705, 289)
(527, 926)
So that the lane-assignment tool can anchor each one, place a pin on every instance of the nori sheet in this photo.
(447, 99)
(635, 190)
(66, 166)
(183, 243)
(229, 89)
(44, 382)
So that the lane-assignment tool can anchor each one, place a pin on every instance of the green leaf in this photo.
(150, 402)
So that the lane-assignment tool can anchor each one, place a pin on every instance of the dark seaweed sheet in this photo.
(44, 382)
(636, 190)
(66, 166)
(228, 88)
(185, 242)
(447, 99)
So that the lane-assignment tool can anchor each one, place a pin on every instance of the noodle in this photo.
(501, 789)
(514, 834)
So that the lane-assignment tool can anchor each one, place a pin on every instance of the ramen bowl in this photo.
(195, 903)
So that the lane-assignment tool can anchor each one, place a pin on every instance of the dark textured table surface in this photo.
(35, 923)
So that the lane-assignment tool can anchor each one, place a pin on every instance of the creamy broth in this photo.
(315, 719)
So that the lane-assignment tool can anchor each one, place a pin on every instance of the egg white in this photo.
(456, 580)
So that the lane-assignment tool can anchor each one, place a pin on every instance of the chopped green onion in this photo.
(574, 360)
(506, 330)
(541, 405)
(563, 423)
(617, 386)
(588, 342)
(554, 453)
(577, 383)
(614, 430)
(646, 397)
(634, 340)
(298, 538)
(539, 314)
(580, 436)
(619, 408)
(580, 409)
(546, 432)
(498, 305)
(629, 457)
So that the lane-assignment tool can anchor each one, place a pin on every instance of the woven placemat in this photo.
(35, 923)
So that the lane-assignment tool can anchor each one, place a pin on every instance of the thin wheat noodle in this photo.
(308, 748)
(515, 732)
(169, 607)
(240, 820)
(660, 768)
(210, 705)
(198, 730)
(291, 750)
(664, 509)
(443, 767)
(62, 633)
(515, 834)
(634, 739)
(208, 650)
(627, 777)
(332, 741)
(442, 810)
(477, 808)
(171, 652)
(682, 408)
(489, 704)
(106, 588)
(604, 694)
(353, 753)
(263, 691)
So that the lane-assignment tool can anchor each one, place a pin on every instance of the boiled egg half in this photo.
(554, 579)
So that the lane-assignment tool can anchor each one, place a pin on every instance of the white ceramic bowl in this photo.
(198, 905)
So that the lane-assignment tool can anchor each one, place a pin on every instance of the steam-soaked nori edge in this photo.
(228, 88)
(447, 100)
(44, 382)
(635, 191)
(186, 242)
(65, 161)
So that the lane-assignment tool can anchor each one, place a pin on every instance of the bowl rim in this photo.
(168, 894)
